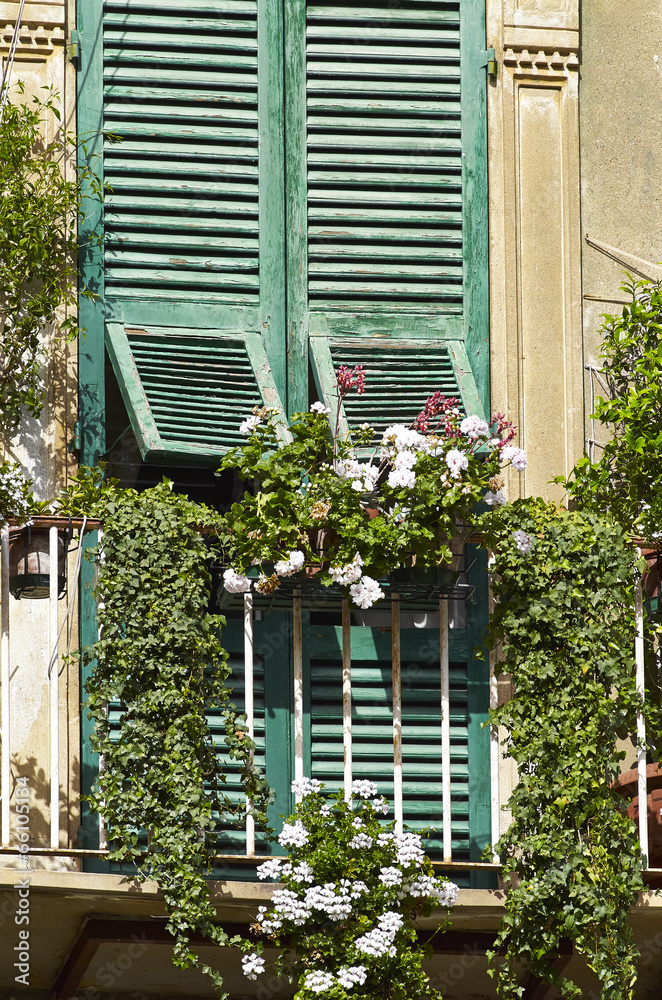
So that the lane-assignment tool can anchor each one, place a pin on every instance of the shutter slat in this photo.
(319, 69)
(384, 252)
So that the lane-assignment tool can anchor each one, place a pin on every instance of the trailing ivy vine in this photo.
(160, 657)
(572, 860)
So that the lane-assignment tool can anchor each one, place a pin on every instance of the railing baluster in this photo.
(54, 685)
(642, 789)
(249, 706)
(298, 687)
(103, 839)
(445, 733)
(396, 684)
(347, 699)
(495, 804)
(4, 683)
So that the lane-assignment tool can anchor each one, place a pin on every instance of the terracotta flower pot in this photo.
(626, 785)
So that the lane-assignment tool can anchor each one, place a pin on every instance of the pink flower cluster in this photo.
(350, 378)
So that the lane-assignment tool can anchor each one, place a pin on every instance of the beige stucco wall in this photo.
(535, 280)
(41, 447)
(621, 153)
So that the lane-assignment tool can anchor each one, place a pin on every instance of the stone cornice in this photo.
(540, 39)
(42, 28)
(46, 14)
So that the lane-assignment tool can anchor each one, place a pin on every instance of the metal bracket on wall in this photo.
(489, 57)
(73, 48)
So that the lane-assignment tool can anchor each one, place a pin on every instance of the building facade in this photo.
(293, 186)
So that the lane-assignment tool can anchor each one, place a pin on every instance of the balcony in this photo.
(394, 695)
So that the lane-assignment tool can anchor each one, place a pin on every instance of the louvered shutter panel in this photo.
(193, 215)
(393, 162)
(372, 724)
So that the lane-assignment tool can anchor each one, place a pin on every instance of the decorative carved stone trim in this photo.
(541, 61)
(35, 44)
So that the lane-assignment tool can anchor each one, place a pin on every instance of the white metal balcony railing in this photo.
(60, 617)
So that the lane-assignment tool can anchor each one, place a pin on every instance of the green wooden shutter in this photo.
(387, 186)
(372, 724)
(188, 96)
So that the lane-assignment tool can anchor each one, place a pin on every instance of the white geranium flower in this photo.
(523, 542)
(349, 573)
(320, 408)
(252, 965)
(364, 475)
(235, 583)
(270, 869)
(354, 975)
(516, 457)
(402, 477)
(390, 876)
(306, 786)
(366, 789)
(293, 834)
(457, 462)
(290, 565)
(497, 499)
(366, 592)
(318, 982)
(249, 424)
(474, 427)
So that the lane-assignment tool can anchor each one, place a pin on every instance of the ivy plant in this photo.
(159, 657)
(39, 209)
(572, 859)
(627, 479)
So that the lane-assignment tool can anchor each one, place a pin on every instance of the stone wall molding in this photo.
(535, 234)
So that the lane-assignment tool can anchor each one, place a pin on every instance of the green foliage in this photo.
(572, 861)
(627, 480)
(38, 244)
(344, 914)
(160, 656)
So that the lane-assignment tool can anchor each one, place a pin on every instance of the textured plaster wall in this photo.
(621, 152)
(41, 447)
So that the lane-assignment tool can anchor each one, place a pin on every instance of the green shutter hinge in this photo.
(73, 48)
(489, 60)
(73, 447)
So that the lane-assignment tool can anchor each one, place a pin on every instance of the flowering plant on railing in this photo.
(16, 500)
(318, 509)
(350, 890)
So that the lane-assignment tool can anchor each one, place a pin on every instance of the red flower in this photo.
(350, 378)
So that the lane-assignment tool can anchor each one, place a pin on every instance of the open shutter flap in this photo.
(400, 375)
(187, 391)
